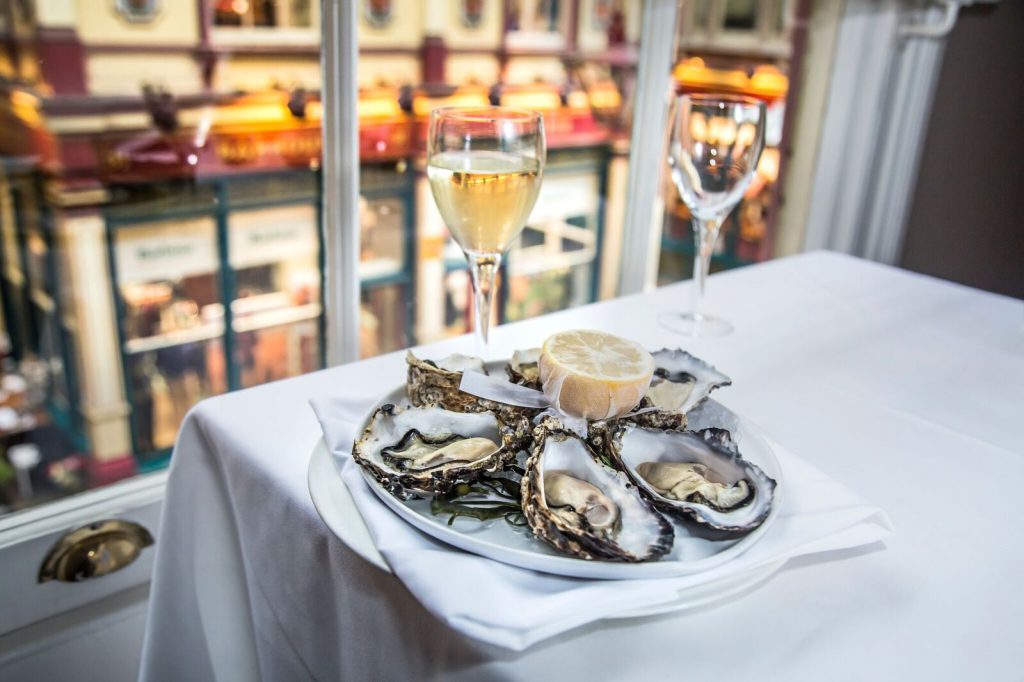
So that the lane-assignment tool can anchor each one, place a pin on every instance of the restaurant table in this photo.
(907, 389)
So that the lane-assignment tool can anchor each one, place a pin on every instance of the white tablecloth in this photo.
(908, 389)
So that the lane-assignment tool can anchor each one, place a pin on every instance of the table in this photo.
(908, 389)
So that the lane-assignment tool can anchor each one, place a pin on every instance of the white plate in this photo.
(334, 503)
(516, 546)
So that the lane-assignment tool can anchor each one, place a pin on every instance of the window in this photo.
(263, 13)
(160, 196)
(575, 62)
(157, 247)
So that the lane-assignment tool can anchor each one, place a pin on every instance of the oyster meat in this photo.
(584, 508)
(429, 449)
(698, 476)
(417, 452)
(692, 481)
(681, 382)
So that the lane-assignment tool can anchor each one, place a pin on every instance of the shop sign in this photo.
(292, 148)
(272, 235)
(165, 251)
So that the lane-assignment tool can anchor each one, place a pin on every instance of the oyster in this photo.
(694, 475)
(524, 368)
(681, 382)
(584, 508)
(429, 449)
(437, 383)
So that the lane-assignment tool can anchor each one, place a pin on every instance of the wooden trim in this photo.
(202, 50)
(61, 61)
(264, 50)
(204, 12)
(433, 56)
(136, 48)
(9, 38)
(482, 51)
(385, 50)
(572, 25)
(618, 56)
(87, 104)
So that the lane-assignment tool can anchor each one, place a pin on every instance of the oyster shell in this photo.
(523, 368)
(698, 476)
(584, 508)
(429, 449)
(437, 383)
(681, 382)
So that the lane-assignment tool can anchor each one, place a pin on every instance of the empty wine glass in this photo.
(713, 151)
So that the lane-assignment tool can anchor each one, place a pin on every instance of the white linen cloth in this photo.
(906, 389)
(522, 606)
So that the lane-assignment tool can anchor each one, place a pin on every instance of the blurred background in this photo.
(160, 189)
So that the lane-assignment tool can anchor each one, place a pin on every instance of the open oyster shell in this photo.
(429, 449)
(698, 476)
(523, 368)
(584, 508)
(437, 383)
(681, 382)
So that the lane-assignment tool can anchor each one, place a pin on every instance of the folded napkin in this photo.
(524, 607)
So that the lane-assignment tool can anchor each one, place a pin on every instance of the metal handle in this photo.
(94, 550)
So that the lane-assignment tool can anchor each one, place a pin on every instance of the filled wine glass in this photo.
(485, 166)
(713, 151)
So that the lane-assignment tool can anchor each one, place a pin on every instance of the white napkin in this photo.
(515, 608)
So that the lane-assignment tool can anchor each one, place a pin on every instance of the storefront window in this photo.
(574, 62)
(276, 310)
(156, 248)
(262, 13)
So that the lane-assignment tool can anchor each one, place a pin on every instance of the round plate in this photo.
(334, 503)
(516, 546)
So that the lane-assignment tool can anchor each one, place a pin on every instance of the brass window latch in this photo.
(95, 550)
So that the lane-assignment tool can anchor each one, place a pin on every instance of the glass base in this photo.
(695, 324)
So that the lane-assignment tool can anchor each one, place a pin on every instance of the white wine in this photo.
(484, 197)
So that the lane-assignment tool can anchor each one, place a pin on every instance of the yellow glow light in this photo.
(768, 166)
(699, 127)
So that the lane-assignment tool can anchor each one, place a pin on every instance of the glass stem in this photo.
(705, 234)
(484, 268)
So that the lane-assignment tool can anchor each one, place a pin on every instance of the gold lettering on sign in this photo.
(237, 150)
(116, 160)
(241, 150)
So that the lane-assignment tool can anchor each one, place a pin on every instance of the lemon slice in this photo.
(591, 374)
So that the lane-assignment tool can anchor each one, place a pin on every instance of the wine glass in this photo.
(485, 166)
(713, 151)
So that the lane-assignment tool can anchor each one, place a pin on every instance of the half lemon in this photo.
(592, 374)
